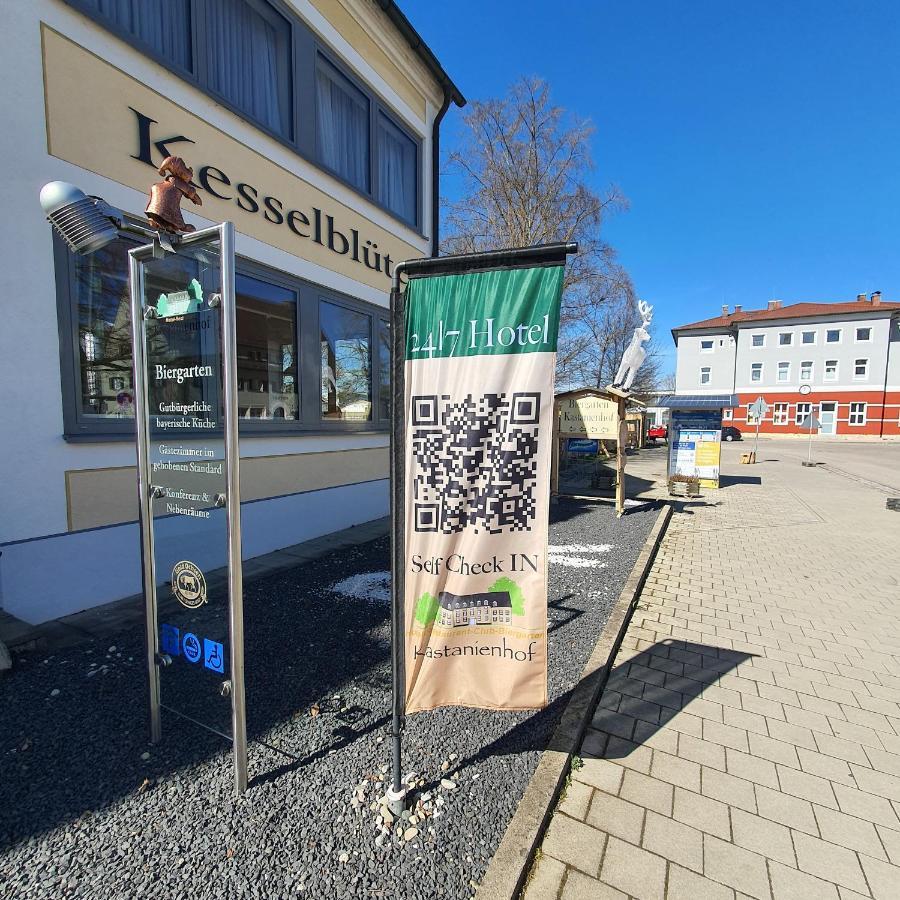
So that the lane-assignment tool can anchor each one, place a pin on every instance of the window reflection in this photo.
(266, 350)
(346, 363)
(104, 331)
(384, 361)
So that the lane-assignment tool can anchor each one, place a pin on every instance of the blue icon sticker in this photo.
(170, 640)
(213, 655)
(192, 649)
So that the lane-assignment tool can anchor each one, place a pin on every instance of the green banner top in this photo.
(483, 313)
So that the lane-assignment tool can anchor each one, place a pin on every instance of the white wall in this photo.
(691, 357)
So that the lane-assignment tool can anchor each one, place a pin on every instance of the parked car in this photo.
(658, 433)
(730, 433)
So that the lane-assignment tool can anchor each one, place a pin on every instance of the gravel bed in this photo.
(89, 809)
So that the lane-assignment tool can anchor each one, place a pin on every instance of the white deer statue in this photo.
(635, 353)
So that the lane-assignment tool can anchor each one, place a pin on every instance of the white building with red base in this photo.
(848, 353)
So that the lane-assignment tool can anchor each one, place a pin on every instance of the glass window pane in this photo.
(104, 332)
(266, 350)
(384, 361)
(397, 170)
(248, 49)
(163, 25)
(346, 363)
(342, 125)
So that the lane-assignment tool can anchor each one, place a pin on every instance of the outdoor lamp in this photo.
(85, 223)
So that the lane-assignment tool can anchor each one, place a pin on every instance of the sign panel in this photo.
(184, 366)
(480, 359)
(583, 446)
(592, 417)
(695, 444)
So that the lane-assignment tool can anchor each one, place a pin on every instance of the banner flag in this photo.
(479, 375)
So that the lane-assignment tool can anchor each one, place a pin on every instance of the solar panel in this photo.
(698, 401)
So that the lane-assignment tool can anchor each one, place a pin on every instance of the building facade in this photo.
(313, 126)
(847, 354)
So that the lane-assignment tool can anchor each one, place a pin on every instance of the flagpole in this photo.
(397, 794)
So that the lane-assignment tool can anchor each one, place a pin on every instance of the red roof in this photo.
(794, 311)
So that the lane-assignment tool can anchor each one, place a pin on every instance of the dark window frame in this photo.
(78, 426)
(304, 51)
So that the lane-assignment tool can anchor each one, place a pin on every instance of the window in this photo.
(831, 370)
(162, 26)
(758, 340)
(397, 170)
(785, 339)
(807, 337)
(342, 125)
(857, 413)
(705, 375)
(833, 336)
(781, 413)
(706, 346)
(806, 370)
(860, 369)
(263, 63)
(247, 51)
(756, 370)
(346, 363)
(803, 410)
(279, 374)
(863, 335)
(727, 414)
(784, 372)
(751, 419)
(266, 350)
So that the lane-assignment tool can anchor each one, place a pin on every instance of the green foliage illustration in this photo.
(515, 594)
(426, 609)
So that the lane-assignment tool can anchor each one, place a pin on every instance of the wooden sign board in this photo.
(590, 417)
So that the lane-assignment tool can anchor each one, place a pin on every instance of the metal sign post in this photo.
(758, 410)
(186, 417)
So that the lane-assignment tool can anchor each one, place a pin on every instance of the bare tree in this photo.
(525, 166)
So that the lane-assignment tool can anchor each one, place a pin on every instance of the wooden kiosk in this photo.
(589, 419)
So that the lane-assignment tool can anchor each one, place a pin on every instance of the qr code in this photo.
(475, 462)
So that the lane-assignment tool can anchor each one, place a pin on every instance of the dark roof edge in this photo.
(404, 26)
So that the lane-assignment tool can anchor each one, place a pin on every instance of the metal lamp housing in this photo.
(85, 223)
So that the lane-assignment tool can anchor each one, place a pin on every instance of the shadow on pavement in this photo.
(726, 481)
(650, 689)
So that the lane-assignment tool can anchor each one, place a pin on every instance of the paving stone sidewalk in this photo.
(748, 741)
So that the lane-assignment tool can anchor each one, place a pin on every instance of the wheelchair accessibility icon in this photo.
(213, 655)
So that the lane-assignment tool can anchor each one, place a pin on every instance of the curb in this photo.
(508, 870)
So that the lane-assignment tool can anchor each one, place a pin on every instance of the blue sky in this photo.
(758, 143)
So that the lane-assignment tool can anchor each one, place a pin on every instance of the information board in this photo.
(183, 308)
(695, 443)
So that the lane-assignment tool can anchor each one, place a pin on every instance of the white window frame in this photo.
(803, 410)
(812, 343)
(751, 419)
(783, 367)
(865, 374)
(840, 335)
(727, 415)
(756, 367)
(863, 413)
(834, 377)
(711, 342)
(808, 366)
(858, 339)
(781, 413)
(707, 370)
(790, 338)
(756, 346)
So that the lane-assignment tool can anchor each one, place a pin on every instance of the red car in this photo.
(658, 433)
